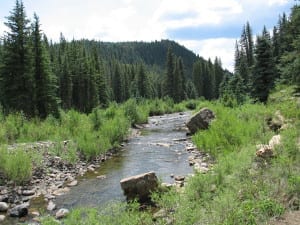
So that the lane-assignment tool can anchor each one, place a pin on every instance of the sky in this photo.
(207, 27)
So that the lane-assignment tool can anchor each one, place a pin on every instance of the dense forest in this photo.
(38, 76)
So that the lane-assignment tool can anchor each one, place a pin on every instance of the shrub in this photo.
(16, 165)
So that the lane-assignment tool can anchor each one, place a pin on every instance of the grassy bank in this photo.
(88, 135)
(240, 188)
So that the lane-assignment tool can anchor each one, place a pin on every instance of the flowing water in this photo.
(159, 148)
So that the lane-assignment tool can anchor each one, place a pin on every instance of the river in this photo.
(160, 148)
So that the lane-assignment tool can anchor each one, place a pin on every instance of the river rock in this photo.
(179, 178)
(276, 122)
(2, 218)
(101, 177)
(61, 191)
(19, 210)
(3, 206)
(62, 213)
(200, 121)
(72, 183)
(51, 206)
(139, 186)
(4, 198)
(28, 192)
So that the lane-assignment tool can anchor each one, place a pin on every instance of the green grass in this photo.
(87, 135)
(240, 189)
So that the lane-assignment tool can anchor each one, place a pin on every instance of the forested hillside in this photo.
(38, 76)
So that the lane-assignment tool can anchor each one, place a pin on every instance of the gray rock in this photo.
(139, 186)
(72, 183)
(4, 198)
(201, 120)
(3, 206)
(28, 192)
(62, 213)
(101, 177)
(19, 210)
(179, 178)
(162, 213)
(2, 218)
(51, 206)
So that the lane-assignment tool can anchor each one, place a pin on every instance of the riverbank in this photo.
(243, 187)
(50, 168)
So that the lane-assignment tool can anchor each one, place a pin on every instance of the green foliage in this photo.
(15, 164)
(231, 129)
(112, 214)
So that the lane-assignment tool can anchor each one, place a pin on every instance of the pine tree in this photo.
(290, 61)
(182, 91)
(177, 83)
(117, 82)
(142, 83)
(17, 78)
(218, 75)
(45, 82)
(169, 80)
(264, 68)
(244, 56)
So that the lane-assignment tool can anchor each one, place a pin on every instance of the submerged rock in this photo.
(139, 186)
(200, 121)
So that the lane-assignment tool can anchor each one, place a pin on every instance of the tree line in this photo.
(274, 58)
(38, 77)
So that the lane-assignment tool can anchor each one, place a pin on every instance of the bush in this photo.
(16, 165)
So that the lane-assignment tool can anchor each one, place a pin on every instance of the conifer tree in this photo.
(169, 80)
(264, 68)
(45, 82)
(177, 83)
(117, 82)
(18, 81)
(182, 94)
(142, 83)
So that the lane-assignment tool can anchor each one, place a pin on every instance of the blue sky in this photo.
(207, 27)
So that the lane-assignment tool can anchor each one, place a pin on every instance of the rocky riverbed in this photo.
(55, 177)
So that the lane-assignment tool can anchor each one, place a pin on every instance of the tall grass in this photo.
(87, 135)
(240, 188)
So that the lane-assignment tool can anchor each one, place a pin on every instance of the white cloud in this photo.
(211, 48)
(178, 13)
(277, 2)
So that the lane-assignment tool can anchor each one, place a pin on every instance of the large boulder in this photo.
(140, 186)
(200, 121)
